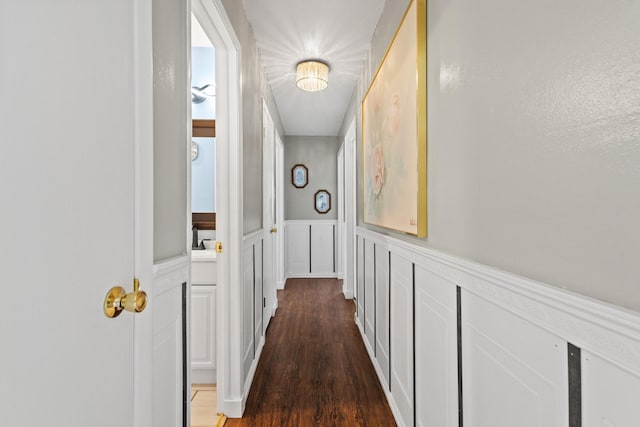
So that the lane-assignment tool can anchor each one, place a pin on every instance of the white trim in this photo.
(168, 273)
(143, 206)
(341, 243)
(279, 170)
(229, 210)
(252, 370)
(608, 331)
(172, 264)
(347, 294)
(252, 238)
(350, 180)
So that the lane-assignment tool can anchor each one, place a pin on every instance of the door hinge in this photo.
(218, 247)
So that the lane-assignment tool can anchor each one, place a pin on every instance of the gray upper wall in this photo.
(254, 88)
(319, 155)
(533, 138)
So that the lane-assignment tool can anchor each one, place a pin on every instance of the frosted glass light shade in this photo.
(312, 76)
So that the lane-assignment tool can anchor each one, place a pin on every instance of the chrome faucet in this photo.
(194, 242)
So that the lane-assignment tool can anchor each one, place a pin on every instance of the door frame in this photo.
(279, 171)
(229, 209)
(269, 212)
(143, 211)
(341, 238)
(350, 211)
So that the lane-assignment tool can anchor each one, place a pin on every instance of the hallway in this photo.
(314, 369)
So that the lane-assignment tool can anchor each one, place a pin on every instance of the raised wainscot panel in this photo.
(369, 294)
(298, 257)
(167, 351)
(322, 249)
(203, 328)
(402, 357)
(247, 309)
(610, 394)
(382, 310)
(436, 350)
(258, 295)
(514, 373)
(360, 280)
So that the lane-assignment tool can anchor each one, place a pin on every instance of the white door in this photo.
(67, 217)
(268, 216)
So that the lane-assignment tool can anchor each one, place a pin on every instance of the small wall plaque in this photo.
(299, 176)
(322, 200)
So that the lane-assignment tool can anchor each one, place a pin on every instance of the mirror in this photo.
(203, 144)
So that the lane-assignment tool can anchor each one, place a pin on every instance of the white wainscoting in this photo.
(252, 336)
(514, 337)
(310, 248)
(167, 336)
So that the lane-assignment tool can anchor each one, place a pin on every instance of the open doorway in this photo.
(203, 361)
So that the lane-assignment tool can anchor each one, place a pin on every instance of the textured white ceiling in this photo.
(337, 32)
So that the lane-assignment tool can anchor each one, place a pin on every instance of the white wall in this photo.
(318, 154)
(534, 138)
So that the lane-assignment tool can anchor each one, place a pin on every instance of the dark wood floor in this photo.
(314, 368)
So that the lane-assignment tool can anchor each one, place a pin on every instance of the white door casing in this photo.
(268, 216)
(214, 21)
(350, 212)
(340, 248)
(279, 173)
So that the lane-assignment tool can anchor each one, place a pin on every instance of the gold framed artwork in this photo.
(394, 131)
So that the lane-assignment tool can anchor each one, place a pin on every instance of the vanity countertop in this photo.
(203, 255)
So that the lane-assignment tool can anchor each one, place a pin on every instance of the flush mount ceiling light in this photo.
(312, 76)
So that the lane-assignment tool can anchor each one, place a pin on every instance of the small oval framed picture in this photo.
(322, 200)
(299, 176)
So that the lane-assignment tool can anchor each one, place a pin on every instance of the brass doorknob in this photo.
(273, 230)
(118, 299)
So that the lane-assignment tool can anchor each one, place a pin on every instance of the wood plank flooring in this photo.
(314, 368)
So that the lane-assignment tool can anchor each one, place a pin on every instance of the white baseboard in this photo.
(312, 276)
(280, 284)
(247, 385)
(347, 294)
(234, 408)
